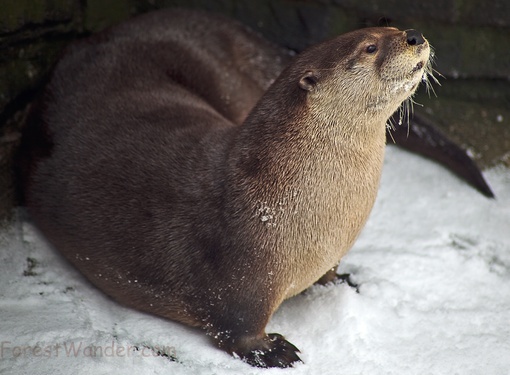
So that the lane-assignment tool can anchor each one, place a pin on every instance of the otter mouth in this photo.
(410, 82)
(418, 67)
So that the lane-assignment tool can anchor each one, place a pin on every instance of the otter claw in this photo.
(280, 353)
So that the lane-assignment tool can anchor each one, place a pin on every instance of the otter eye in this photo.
(371, 48)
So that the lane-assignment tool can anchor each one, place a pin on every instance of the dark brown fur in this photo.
(146, 185)
(420, 136)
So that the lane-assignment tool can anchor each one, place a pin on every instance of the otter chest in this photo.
(310, 230)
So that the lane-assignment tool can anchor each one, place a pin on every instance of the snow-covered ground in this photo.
(433, 265)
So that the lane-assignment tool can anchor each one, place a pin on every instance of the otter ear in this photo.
(308, 81)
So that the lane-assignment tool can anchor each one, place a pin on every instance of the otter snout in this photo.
(414, 37)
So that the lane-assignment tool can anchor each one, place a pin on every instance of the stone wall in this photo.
(471, 43)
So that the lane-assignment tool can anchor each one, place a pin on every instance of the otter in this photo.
(173, 164)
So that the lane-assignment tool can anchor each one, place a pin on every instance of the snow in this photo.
(433, 265)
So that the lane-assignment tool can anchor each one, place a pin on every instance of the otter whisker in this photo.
(391, 136)
(428, 75)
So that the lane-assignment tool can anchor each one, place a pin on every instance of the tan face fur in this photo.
(379, 72)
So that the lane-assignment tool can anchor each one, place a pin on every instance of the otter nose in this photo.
(414, 37)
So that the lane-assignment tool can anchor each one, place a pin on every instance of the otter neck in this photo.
(280, 143)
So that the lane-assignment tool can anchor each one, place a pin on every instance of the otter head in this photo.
(364, 73)
(336, 95)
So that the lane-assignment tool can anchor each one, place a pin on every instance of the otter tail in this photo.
(421, 137)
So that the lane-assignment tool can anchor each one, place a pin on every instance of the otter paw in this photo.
(346, 278)
(332, 277)
(278, 352)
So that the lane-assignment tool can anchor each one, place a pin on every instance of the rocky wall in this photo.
(471, 42)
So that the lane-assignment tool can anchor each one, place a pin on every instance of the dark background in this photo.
(471, 40)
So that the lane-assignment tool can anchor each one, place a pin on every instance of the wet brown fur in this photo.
(148, 186)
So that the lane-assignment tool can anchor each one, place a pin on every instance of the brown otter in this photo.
(137, 171)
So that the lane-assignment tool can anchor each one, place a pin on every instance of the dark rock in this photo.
(471, 43)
